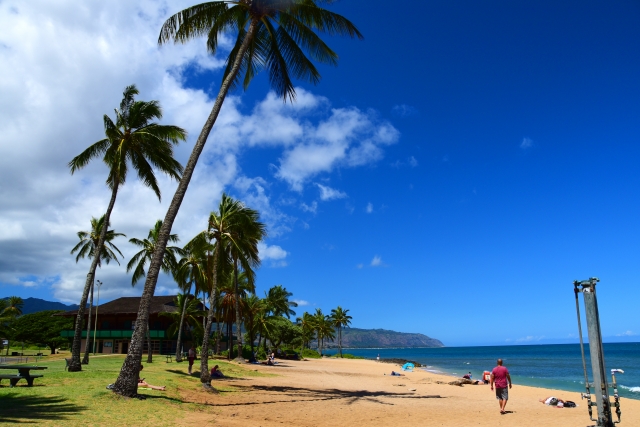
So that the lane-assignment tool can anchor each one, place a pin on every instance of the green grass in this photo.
(347, 356)
(81, 398)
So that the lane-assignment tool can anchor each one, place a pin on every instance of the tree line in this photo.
(281, 37)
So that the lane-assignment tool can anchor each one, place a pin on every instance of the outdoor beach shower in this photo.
(600, 387)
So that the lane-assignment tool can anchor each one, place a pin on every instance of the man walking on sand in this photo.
(500, 376)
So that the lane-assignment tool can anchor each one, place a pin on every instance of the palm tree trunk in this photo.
(184, 309)
(340, 339)
(74, 364)
(85, 359)
(239, 357)
(127, 382)
(150, 350)
(205, 376)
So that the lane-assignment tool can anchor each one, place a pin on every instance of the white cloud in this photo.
(328, 193)
(65, 64)
(526, 143)
(313, 207)
(359, 266)
(376, 261)
(404, 110)
(627, 334)
(272, 252)
(369, 208)
(412, 162)
(530, 338)
(300, 302)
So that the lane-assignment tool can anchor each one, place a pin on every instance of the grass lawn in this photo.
(81, 398)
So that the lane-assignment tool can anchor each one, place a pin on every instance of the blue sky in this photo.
(502, 165)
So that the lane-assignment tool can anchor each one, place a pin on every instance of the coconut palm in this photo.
(86, 247)
(148, 245)
(190, 271)
(140, 259)
(306, 323)
(253, 306)
(340, 319)
(134, 139)
(324, 328)
(235, 291)
(271, 35)
(12, 307)
(278, 301)
(187, 317)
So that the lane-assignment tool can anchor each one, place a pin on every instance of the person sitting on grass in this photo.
(143, 383)
(216, 373)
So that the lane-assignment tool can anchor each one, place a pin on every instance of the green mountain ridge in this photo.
(382, 338)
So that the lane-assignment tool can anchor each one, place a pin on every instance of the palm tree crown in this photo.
(281, 35)
(89, 242)
(148, 245)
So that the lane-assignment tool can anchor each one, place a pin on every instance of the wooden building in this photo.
(116, 321)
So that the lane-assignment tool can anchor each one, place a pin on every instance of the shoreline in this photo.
(330, 391)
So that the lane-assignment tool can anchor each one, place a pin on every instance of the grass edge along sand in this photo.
(81, 398)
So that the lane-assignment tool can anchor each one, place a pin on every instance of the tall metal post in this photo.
(600, 386)
(95, 325)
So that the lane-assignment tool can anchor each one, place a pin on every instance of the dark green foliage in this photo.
(41, 328)
(310, 354)
(347, 356)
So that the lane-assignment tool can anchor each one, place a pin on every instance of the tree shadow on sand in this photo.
(19, 409)
(299, 394)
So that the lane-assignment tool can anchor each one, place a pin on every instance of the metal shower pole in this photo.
(600, 387)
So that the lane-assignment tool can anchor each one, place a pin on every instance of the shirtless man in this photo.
(500, 376)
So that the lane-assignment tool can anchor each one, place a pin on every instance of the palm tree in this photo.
(253, 306)
(278, 301)
(87, 247)
(271, 35)
(306, 323)
(148, 246)
(340, 319)
(186, 317)
(134, 138)
(140, 259)
(190, 270)
(324, 328)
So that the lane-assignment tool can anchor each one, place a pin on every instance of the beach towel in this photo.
(408, 367)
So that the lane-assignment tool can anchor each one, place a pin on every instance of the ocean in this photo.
(550, 366)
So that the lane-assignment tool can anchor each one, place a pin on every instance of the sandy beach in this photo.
(331, 392)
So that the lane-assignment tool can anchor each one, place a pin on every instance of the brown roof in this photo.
(130, 305)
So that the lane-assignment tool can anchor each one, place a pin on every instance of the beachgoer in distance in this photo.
(216, 373)
(396, 374)
(467, 376)
(378, 358)
(272, 359)
(143, 383)
(500, 376)
(486, 377)
(191, 357)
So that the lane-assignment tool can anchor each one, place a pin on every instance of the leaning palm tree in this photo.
(340, 319)
(271, 35)
(140, 259)
(134, 139)
(12, 307)
(86, 247)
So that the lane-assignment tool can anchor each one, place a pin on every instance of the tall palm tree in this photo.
(235, 291)
(190, 271)
(271, 35)
(253, 307)
(306, 323)
(133, 139)
(187, 317)
(87, 247)
(324, 328)
(278, 301)
(340, 319)
(140, 259)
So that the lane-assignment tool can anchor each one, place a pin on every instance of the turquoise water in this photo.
(549, 366)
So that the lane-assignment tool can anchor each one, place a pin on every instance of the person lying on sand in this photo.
(143, 383)
(396, 374)
(553, 401)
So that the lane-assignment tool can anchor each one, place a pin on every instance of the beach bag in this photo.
(570, 404)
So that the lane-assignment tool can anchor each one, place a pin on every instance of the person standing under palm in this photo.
(500, 377)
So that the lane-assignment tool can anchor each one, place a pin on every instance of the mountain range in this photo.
(33, 305)
(383, 338)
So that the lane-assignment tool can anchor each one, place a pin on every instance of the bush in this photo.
(347, 356)
(311, 354)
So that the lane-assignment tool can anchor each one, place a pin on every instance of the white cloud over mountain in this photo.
(65, 64)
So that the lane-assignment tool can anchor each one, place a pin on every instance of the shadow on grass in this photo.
(300, 394)
(19, 409)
